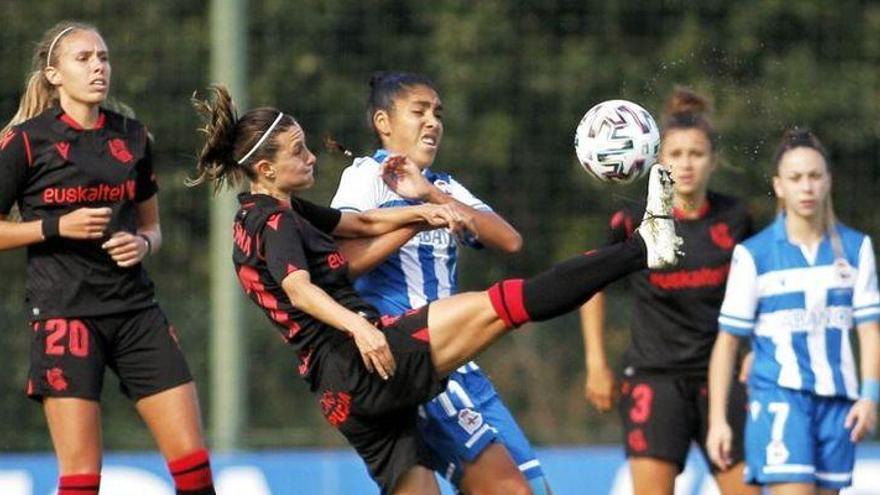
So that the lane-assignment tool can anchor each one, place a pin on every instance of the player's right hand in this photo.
(718, 442)
(405, 178)
(601, 388)
(375, 352)
(84, 223)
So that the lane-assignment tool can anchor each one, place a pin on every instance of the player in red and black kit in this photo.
(664, 402)
(369, 372)
(82, 178)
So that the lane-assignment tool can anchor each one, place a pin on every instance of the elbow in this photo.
(513, 244)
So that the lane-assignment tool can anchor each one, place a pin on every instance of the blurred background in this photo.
(515, 78)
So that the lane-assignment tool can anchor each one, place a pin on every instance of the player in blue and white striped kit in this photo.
(797, 289)
(473, 436)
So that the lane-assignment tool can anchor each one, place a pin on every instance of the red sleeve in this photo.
(283, 246)
(14, 166)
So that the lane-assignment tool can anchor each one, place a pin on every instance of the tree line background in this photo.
(515, 78)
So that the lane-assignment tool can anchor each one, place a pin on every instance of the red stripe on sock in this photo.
(79, 484)
(497, 300)
(192, 472)
(513, 298)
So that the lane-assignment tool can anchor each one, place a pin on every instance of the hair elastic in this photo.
(262, 139)
(54, 41)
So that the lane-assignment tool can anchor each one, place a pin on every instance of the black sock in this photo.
(566, 285)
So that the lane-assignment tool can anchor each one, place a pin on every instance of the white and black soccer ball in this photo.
(617, 141)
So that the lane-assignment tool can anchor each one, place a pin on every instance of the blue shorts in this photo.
(798, 437)
(466, 418)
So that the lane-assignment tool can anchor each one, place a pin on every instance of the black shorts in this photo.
(378, 417)
(68, 355)
(662, 415)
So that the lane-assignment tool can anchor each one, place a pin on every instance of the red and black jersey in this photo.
(272, 239)
(50, 166)
(675, 311)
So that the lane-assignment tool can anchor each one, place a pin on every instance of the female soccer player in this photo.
(475, 440)
(289, 266)
(83, 181)
(796, 289)
(664, 406)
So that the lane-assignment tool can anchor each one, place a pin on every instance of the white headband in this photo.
(52, 45)
(262, 139)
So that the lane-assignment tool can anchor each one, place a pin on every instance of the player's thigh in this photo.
(75, 428)
(417, 481)
(652, 476)
(494, 472)
(461, 327)
(792, 489)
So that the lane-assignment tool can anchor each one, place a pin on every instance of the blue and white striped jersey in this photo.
(800, 307)
(424, 269)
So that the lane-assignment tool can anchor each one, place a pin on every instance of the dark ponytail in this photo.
(228, 138)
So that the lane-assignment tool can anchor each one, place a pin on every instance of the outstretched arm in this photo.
(405, 178)
(600, 389)
(365, 253)
(383, 220)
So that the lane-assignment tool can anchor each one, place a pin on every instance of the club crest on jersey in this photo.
(842, 270)
(720, 233)
(470, 420)
(120, 151)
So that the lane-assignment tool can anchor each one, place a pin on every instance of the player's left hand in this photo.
(403, 176)
(862, 418)
(719, 439)
(126, 249)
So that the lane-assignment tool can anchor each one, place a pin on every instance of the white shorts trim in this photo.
(790, 468)
(837, 477)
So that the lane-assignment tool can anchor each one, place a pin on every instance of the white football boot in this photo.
(658, 226)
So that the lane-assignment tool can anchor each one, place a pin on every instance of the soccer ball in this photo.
(617, 141)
